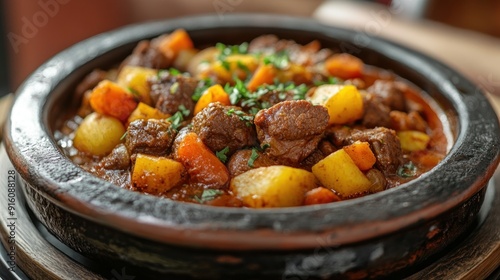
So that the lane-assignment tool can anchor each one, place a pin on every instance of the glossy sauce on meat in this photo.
(261, 124)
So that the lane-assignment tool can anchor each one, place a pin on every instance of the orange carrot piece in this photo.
(265, 74)
(175, 42)
(214, 93)
(361, 154)
(200, 162)
(319, 196)
(344, 66)
(111, 99)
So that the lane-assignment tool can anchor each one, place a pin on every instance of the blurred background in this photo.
(35, 30)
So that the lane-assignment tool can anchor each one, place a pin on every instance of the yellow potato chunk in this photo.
(235, 64)
(412, 140)
(98, 134)
(135, 79)
(344, 102)
(156, 175)
(339, 173)
(146, 112)
(273, 186)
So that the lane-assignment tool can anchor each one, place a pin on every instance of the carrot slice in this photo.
(175, 42)
(214, 93)
(344, 66)
(319, 196)
(361, 154)
(265, 74)
(113, 100)
(200, 162)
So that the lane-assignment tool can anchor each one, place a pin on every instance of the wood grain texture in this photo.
(34, 255)
(5, 103)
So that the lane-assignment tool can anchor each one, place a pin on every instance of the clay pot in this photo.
(377, 235)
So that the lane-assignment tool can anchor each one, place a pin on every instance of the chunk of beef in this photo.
(391, 92)
(410, 121)
(153, 137)
(168, 92)
(239, 162)
(338, 135)
(385, 145)
(147, 54)
(114, 167)
(220, 126)
(118, 159)
(293, 129)
(376, 112)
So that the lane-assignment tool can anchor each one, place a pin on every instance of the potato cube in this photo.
(146, 112)
(339, 173)
(344, 102)
(412, 140)
(273, 186)
(156, 175)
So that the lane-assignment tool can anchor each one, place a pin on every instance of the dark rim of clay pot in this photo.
(32, 148)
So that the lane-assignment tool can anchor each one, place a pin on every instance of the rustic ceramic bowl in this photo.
(368, 237)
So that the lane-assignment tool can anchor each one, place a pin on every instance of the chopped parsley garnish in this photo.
(207, 195)
(200, 89)
(237, 92)
(221, 155)
(226, 65)
(242, 66)
(241, 115)
(407, 170)
(123, 136)
(280, 60)
(184, 110)
(174, 71)
(176, 120)
(253, 157)
(226, 50)
(330, 81)
(174, 88)
(298, 91)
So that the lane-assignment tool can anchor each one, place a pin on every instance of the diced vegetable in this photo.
(98, 134)
(183, 58)
(361, 154)
(135, 79)
(201, 62)
(273, 186)
(212, 94)
(156, 175)
(265, 74)
(111, 99)
(201, 163)
(240, 65)
(412, 140)
(146, 112)
(344, 66)
(175, 42)
(339, 173)
(320, 195)
(344, 102)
